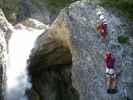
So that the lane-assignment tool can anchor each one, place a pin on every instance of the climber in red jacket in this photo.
(110, 72)
(110, 61)
(102, 26)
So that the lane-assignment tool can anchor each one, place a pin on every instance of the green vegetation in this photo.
(123, 39)
(10, 8)
(125, 6)
(54, 6)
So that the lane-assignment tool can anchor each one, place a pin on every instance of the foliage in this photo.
(53, 6)
(125, 6)
(10, 8)
(123, 39)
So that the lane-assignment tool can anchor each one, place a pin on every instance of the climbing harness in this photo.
(113, 76)
(111, 79)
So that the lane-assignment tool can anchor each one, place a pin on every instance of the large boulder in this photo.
(67, 60)
(50, 69)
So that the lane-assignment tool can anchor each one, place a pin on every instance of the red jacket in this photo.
(109, 62)
(102, 28)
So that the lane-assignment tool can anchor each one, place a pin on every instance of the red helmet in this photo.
(108, 54)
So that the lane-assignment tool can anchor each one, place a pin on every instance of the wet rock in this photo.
(5, 33)
(31, 23)
(6, 27)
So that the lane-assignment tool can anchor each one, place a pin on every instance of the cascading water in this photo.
(20, 46)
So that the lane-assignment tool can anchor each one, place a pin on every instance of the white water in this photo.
(20, 46)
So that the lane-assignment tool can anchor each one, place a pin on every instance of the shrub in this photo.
(10, 8)
(54, 6)
(125, 7)
(123, 39)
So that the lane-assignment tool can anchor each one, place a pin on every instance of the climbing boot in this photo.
(113, 91)
(108, 91)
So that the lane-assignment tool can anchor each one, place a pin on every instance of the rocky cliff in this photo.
(67, 60)
(5, 33)
(45, 10)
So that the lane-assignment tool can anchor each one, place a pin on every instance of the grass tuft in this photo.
(123, 39)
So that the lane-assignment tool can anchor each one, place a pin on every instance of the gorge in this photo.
(51, 50)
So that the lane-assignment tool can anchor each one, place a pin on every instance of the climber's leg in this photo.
(105, 29)
(109, 85)
(104, 32)
(114, 86)
(127, 98)
(108, 78)
(103, 36)
(113, 83)
(113, 80)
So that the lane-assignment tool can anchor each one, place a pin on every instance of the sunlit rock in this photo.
(67, 60)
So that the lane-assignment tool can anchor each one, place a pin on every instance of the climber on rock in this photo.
(111, 77)
(101, 25)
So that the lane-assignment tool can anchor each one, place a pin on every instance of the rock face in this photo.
(67, 60)
(5, 32)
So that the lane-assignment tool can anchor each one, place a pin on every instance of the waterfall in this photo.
(20, 46)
